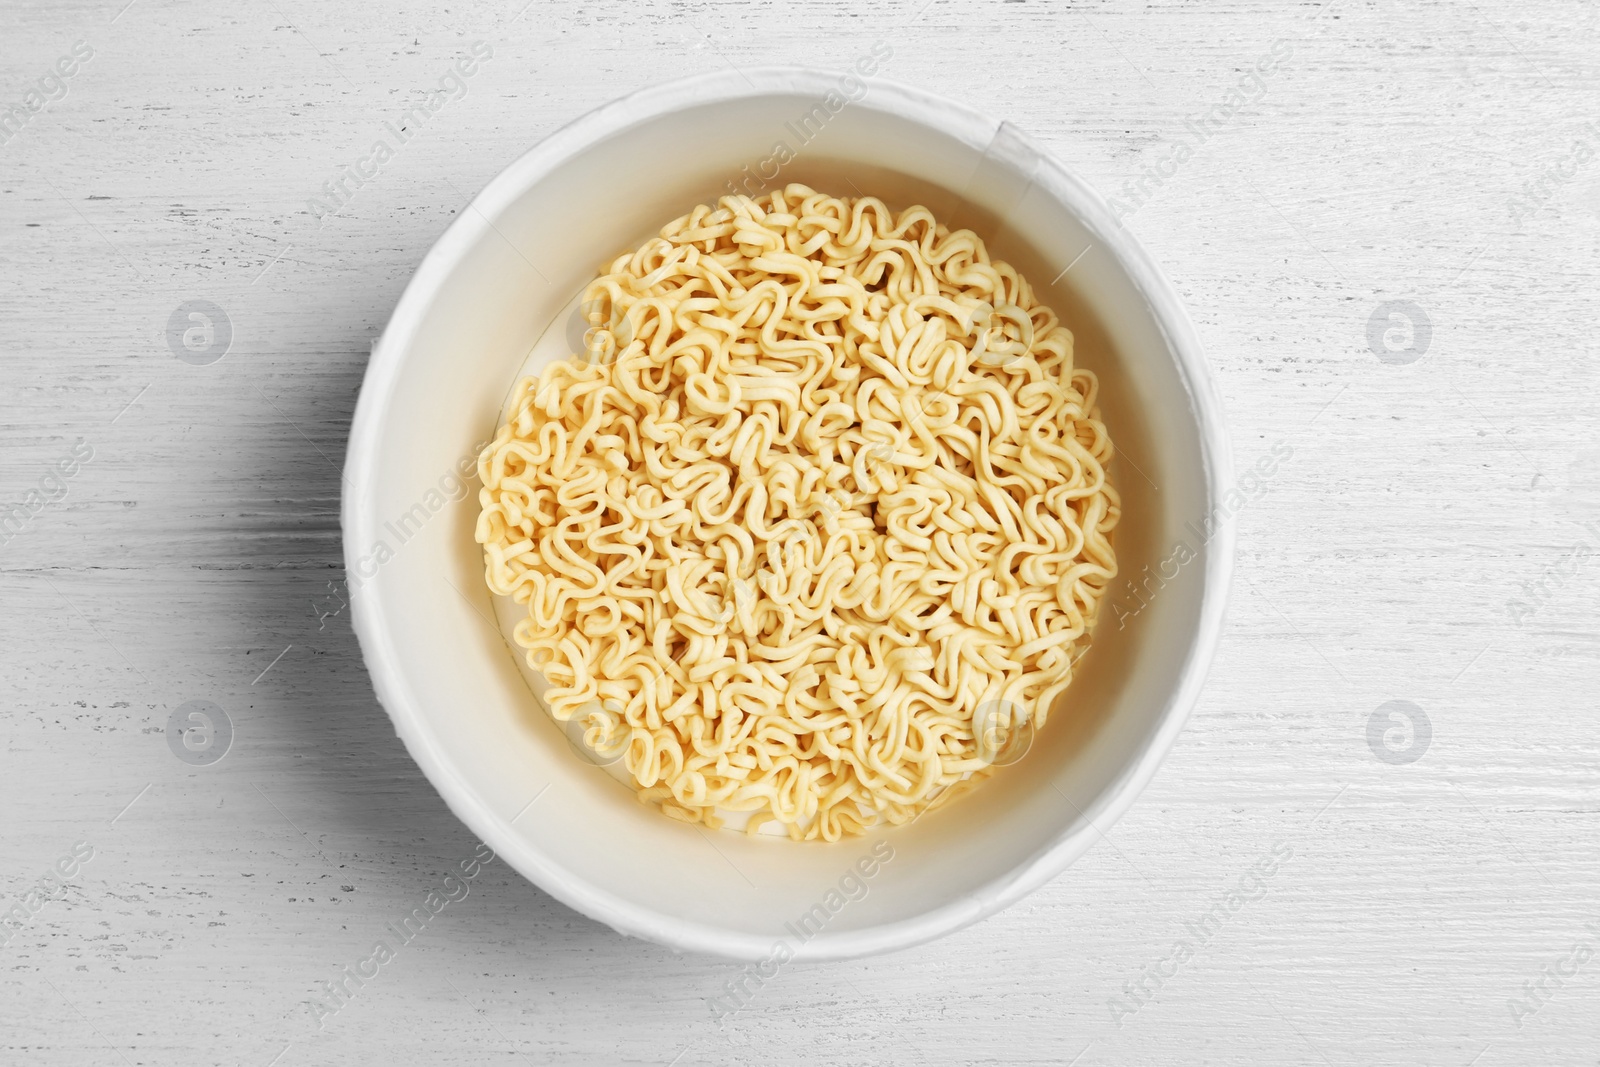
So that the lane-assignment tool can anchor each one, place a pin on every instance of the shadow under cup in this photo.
(511, 269)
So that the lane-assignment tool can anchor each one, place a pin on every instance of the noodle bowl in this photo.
(820, 522)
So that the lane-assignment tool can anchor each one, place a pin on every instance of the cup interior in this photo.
(508, 272)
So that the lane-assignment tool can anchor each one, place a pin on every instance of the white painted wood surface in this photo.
(1421, 152)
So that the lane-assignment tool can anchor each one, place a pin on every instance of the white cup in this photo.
(511, 266)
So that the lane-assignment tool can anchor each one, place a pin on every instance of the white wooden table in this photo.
(1434, 539)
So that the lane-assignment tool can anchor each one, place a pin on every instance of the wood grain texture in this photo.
(1404, 152)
